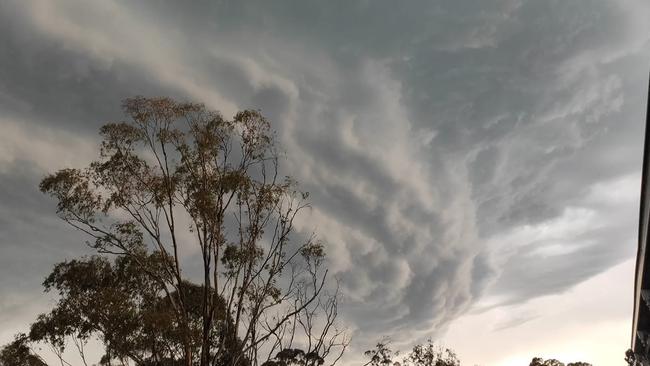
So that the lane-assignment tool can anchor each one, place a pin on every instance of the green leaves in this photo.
(254, 132)
(120, 137)
(74, 193)
(121, 304)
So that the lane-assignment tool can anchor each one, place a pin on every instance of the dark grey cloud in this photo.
(528, 275)
(439, 140)
(32, 240)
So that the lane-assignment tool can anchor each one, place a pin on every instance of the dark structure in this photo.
(641, 317)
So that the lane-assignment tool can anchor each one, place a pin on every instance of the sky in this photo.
(474, 166)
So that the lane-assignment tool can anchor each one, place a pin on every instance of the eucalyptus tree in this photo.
(208, 265)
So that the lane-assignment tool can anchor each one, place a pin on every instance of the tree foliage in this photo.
(129, 312)
(208, 269)
(635, 359)
(538, 361)
(19, 353)
(427, 354)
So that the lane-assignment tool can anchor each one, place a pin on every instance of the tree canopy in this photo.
(538, 361)
(427, 354)
(198, 261)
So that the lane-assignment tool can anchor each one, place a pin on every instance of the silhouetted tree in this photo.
(176, 180)
(295, 357)
(19, 353)
(538, 361)
(381, 355)
(635, 359)
(427, 354)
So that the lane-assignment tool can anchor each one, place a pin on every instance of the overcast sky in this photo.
(474, 166)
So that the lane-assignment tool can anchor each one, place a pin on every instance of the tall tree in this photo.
(176, 183)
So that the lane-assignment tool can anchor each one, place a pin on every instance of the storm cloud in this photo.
(454, 150)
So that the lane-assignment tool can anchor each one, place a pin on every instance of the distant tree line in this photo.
(429, 354)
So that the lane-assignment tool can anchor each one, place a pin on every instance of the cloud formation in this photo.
(453, 149)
